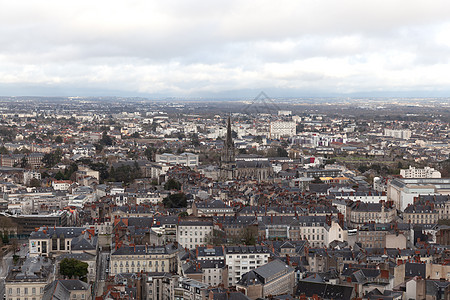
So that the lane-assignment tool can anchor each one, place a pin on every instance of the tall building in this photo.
(404, 134)
(426, 172)
(282, 129)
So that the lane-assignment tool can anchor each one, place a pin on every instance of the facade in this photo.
(404, 134)
(28, 280)
(67, 289)
(272, 279)
(29, 175)
(282, 129)
(360, 213)
(319, 231)
(192, 233)
(211, 208)
(61, 185)
(403, 191)
(185, 159)
(420, 214)
(58, 240)
(241, 259)
(131, 259)
(426, 172)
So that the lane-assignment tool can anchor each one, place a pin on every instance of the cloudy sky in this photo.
(211, 48)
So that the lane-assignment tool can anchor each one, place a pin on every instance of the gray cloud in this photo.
(186, 48)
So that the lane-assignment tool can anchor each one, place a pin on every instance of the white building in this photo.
(284, 112)
(192, 233)
(29, 175)
(61, 185)
(185, 159)
(426, 172)
(241, 259)
(404, 134)
(282, 129)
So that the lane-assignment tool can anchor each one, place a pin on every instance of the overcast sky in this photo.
(212, 47)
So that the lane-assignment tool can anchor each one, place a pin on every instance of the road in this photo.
(103, 265)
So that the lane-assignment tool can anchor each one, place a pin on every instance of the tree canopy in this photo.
(178, 200)
(73, 268)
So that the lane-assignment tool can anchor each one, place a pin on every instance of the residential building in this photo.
(194, 232)
(272, 279)
(282, 129)
(360, 213)
(67, 289)
(29, 279)
(241, 259)
(404, 134)
(137, 258)
(426, 172)
(420, 214)
(185, 159)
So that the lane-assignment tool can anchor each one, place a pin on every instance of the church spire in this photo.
(228, 149)
(229, 140)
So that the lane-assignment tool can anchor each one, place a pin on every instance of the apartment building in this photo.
(272, 279)
(185, 159)
(28, 280)
(426, 172)
(194, 232)
(420, 214)
(241, 259)
(137, 258)
(282, 129)
(360, 213)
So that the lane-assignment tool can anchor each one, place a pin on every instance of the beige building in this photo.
(420, 214)
(58, 240)
(360, 213)
(194, 232)
(133, 259)
(274, 278)
(74, 289)
(28, 280)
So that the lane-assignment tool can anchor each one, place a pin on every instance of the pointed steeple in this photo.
(229, 140)
(228, 154)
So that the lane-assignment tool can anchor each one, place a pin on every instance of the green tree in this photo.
(35, 182)
(5, 237)
(172, 184)
(23, 162)
(73, 268)
(51, 159)
(178, 200)
(58, 139)
(149, 153)
(106, 140)
(3, 150)
(194, 140)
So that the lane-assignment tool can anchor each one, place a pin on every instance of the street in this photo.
(103, 266)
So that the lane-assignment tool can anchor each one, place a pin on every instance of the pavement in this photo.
(103, 265)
